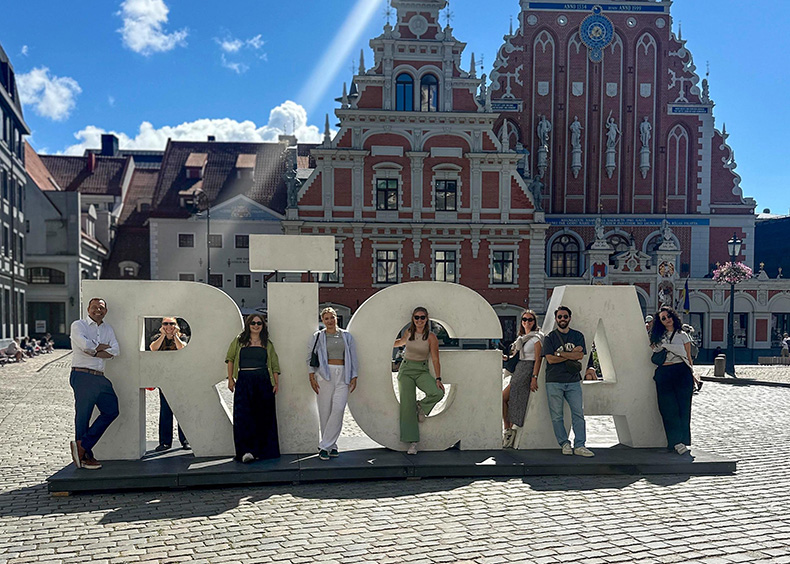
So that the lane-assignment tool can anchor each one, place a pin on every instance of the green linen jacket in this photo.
(272, 362)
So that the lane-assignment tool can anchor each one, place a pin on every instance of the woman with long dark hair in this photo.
(253, 373)
(515, 396)
(674, 378)
(414, 373)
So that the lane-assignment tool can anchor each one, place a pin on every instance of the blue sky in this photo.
(245, 69)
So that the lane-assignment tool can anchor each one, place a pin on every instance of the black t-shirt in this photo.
(553, 344)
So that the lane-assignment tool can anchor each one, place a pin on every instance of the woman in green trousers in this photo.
(414, 373)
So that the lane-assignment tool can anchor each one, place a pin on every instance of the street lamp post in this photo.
(201, 201)
(734, 247)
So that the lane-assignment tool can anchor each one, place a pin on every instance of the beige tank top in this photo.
(417, 350)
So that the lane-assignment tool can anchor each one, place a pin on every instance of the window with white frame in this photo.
(445, 266)
(215, 241)
(386, 266)
(503, 267)
(242, 241)
(446, 195)
(387, 194)
(243, 280)
(565, 256)
(186, 277)
(216, 280)
(186, 240)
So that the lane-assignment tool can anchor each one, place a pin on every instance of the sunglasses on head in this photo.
(532, 319)
(168, 323)
(256, 323)
(563, 317)
(420, 317)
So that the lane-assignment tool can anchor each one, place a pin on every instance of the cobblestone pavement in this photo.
(590, 519)
(780, 374)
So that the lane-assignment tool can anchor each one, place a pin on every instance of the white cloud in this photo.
(238, 68)
(230, 45)
(233, 46)
(25, 50)
(143, 30)
(287, 117)
(111, 101)
(50, 96)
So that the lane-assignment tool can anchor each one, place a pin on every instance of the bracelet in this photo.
(438, 378)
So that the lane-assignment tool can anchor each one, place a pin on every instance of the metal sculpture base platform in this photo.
(179, 469)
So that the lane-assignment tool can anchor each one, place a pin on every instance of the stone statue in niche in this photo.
(599, 230)
(544, 128)
(645, 130)
(576, 146)
(612, 133)
(536, 189)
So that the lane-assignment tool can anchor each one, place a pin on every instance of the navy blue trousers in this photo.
(92, 390)
(166, 423)
(674, 387)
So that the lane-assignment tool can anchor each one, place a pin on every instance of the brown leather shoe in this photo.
(90, 463)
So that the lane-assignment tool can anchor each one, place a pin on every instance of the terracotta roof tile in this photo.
(220, 181)
(38, 170)
(141, 189)
(196, 160)
(72, 173)
(245, 161)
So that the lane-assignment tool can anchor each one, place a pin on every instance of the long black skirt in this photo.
(255, 416)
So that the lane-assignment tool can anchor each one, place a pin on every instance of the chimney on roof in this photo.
(109, 145)
(91, 163)
(212, 138)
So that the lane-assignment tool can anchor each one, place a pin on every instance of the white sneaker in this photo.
(412, 448)
(680, 448)
(566, 449)
(420, 413)
(508, 438)
(247, 458)
(583, 451)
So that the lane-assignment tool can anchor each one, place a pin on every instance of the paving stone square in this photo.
(606, 519)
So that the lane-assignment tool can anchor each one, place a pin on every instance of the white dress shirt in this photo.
(86, 335)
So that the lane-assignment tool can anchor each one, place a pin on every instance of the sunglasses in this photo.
(256, 323)
(563, 317)
(420, 317)
(532, 319)
(168, 323)
(665, 318)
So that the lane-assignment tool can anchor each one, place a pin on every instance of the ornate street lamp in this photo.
(196, 205)
(734, 247)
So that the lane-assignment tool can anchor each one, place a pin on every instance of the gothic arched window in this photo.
(429, 93)
(619, 243)
(565, 253)
(404, 93)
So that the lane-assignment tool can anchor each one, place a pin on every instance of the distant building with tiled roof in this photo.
(244, 185)
(12, 213)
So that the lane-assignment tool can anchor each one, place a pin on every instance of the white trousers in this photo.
(332, 399)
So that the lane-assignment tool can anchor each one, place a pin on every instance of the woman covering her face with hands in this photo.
(515, 396)
(169, 339)
(333, 379)
(414, 373)
(253, 373)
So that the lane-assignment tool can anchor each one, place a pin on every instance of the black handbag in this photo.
(314, 362)
(510, 363)
(660, 357)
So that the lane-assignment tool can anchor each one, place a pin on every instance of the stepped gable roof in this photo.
(73, 173)
(38, 171)
(220, 179)
(141, 189)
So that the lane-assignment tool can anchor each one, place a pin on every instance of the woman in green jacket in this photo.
(253, 372)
